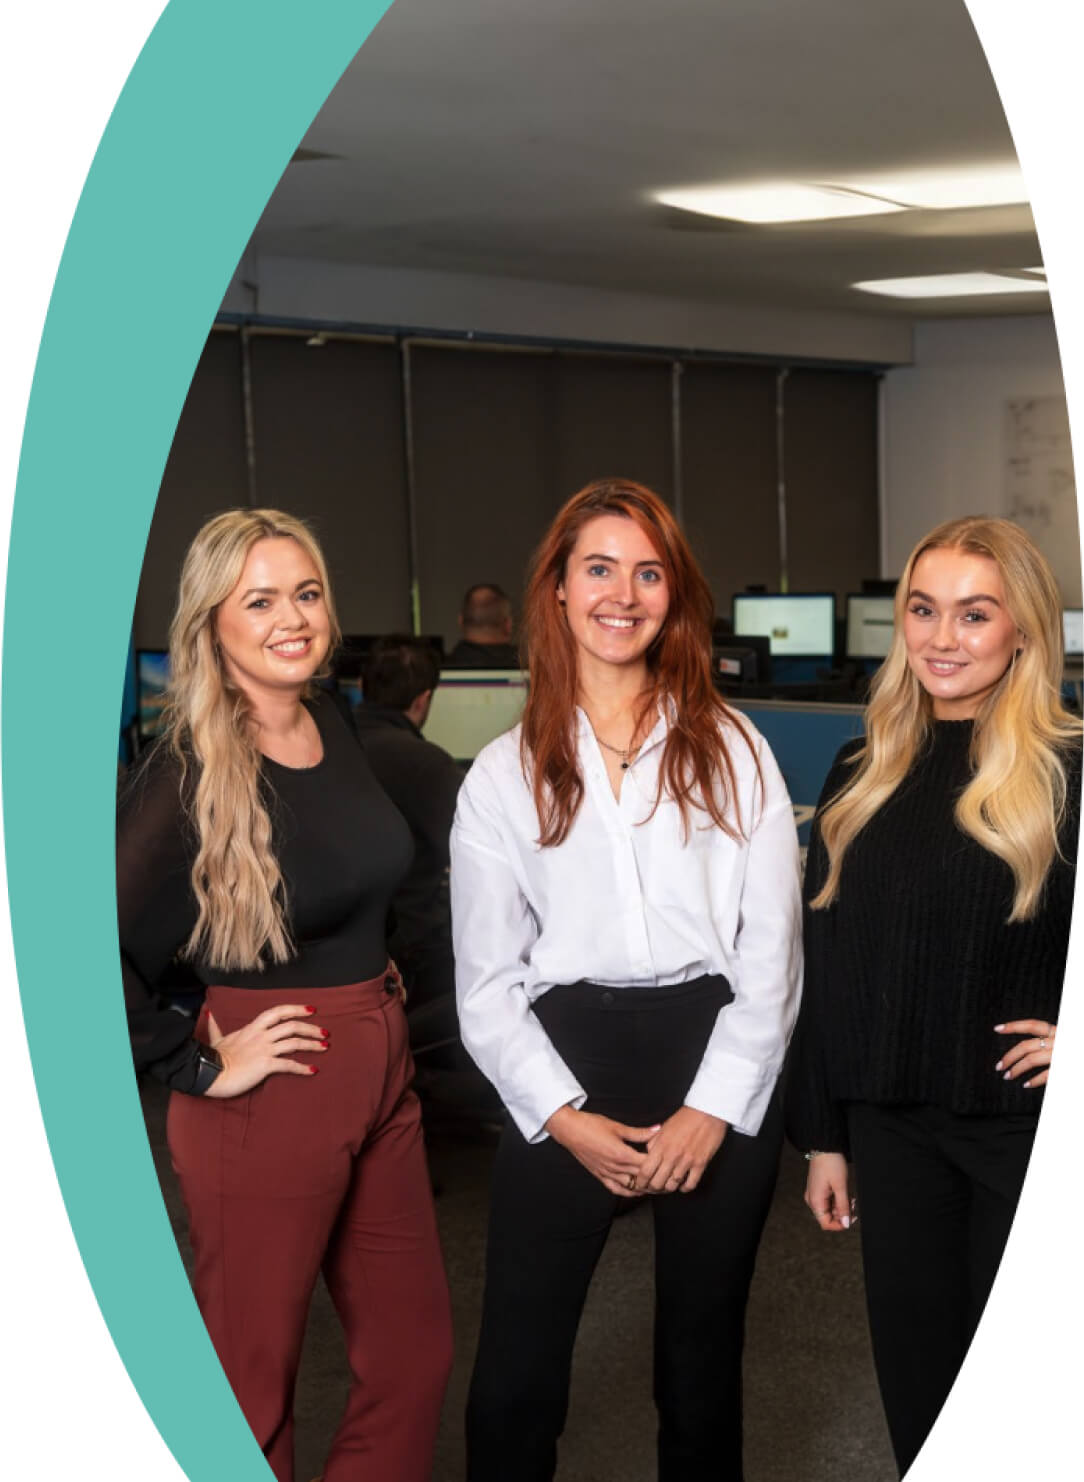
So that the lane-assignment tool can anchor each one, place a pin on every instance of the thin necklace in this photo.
(627, 754)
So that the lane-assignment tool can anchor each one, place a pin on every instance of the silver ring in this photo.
(1042, 1044)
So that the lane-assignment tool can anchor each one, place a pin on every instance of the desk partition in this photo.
(804, 740)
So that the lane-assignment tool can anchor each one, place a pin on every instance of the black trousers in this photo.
(636, 1052)
(937, 1194)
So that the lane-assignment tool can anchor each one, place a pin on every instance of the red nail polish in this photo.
(313, 1070)
(310, 1008)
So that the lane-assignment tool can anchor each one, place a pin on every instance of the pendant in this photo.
(624, 766)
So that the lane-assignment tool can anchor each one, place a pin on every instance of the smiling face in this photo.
(959, 634)
(274, 629)
(614, 592)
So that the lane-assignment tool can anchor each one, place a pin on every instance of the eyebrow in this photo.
(615, 560)
(310, 581)
(963, 601)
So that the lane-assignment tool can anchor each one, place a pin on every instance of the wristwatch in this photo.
(208, 1065)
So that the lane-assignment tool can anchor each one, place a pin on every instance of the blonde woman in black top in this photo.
(256, 843)
(938, 900)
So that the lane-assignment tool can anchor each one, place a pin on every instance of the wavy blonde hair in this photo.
(236, 878)
(1015, 801)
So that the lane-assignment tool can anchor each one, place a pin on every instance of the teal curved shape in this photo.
(213, 109)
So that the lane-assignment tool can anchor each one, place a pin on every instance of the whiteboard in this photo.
(1040, 487)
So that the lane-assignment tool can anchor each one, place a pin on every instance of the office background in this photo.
(884, 424)
(443, 462)
(825, 473)
(486, 170)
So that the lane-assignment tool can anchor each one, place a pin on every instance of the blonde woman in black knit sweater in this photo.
(938, 895)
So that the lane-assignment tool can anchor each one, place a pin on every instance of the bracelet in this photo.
(816, 1153)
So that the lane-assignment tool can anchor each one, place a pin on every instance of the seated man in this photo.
(398, 679)
(423, 781)
(485, 621)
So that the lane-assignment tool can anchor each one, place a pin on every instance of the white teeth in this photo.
(616, 622)
(296, 646)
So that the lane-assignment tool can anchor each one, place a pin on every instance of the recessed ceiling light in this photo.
(775, 201)
(955, 285)
(954, 188)
(772, 202)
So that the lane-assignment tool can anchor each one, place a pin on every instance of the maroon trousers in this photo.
(323, 1172)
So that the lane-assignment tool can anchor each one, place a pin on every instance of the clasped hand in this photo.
(629, 1161)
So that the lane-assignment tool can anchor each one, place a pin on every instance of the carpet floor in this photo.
(811, 1406)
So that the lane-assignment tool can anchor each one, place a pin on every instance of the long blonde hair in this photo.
(1014, 803)
(236, 878)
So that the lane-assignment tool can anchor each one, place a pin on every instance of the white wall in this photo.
(296, 288)
(944, 430)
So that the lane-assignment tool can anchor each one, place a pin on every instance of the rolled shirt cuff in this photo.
(734, 1089)
(531, 1105)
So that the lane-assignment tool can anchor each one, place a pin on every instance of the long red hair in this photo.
(696, 769)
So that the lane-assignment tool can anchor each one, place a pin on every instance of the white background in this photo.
(69, 1410)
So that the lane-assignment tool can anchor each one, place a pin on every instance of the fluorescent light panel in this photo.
(951, 285)
(775, 201)
(953, 189)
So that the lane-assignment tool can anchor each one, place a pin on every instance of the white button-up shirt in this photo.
(625, 903)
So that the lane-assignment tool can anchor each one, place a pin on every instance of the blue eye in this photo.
(919, 610)
(651, 575)
(598, 570)
(976, 615)
(311, 594)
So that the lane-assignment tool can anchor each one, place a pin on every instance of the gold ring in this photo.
(630, 1182)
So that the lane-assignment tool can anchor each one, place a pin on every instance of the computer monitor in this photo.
(472, 707)
(152, 678)
(1073, 624)
(870, 624)
(800, 625)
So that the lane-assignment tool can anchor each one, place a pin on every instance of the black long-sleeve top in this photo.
(911, 967)
(341, 845)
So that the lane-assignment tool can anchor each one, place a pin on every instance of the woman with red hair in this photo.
(626, 923)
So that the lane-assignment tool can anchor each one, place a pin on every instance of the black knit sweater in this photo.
(908, 971)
